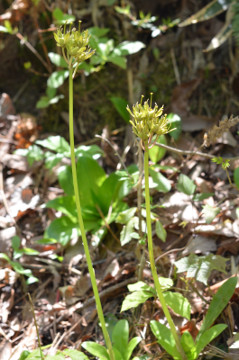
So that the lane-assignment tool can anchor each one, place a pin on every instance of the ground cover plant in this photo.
(162, 301)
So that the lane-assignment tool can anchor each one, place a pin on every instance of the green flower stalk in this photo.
(75, 49)
(148, 123)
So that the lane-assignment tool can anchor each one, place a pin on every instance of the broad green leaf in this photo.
(52, 159)
(96, 349)
(55, 143)
(135, 299)
(160, 231)
(34, 355)
(62, 18)
(156, 153)
(218, 303)
(57, 78)
(34, 153)
(140, 285)
(128, 231)
(178, 303)
(200, 267)
(165, 339)
(24, 355)
(98, 32)
(45, 101)
(160, 182)
(166, 283)
(65, 180)
(208, 335)
(57, 59)
(202, 196)
(126, 215)
(117, 60)
(120, 337)
(58, 356)
(188, 345)
(65, 204)
(92, 151)
(209, 11)
(185, 185)
(120, 105)
(117, 354)
(175, 123)
(236, 177)
(62, 230)
(75, 354)
(90, 177)
(131, 346)
(210, 212)
(129, 47)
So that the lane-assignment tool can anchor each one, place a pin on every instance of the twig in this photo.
(189, 152)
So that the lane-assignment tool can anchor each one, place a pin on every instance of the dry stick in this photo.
(36, 326)
(189, 152)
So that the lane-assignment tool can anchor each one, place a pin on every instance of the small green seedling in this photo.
(122, 347)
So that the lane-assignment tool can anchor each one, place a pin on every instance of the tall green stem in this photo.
(80, 220)
(151, 256)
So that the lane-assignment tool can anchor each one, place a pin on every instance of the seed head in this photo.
(74, 44)
(148, 121)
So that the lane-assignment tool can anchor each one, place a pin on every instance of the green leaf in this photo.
(96, 349)
(92, 151)
(209, 11)
(120, 337)
(135, 299)
(202, 196)
(65, 204)
(16, 242)
(117, 60)
(57, 59)
(57, 356)
(90, 177)
(140, 285)
(55, 143)
(128, 232)
(35, 153)
(24, 355)
(75, 354)
(236, 177)
(185, 185)
(52, 159)
(160, 182)
(156, 153)
(178, 303)
(221, 36)
(218, 303)
(200, 267)
(57, 78)
(45, 101)
(175, 123)
(62, 18)
(208, 335)
(188, 345)
(210, 212)
(160, 231)
(165, 339)
(126, 215)
(62, 230)
(131, 346)
(120, 105)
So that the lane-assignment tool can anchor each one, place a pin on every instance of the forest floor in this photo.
(201, 88)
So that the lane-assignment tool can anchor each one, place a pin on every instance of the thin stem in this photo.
(36, 326)
(80, 220)
(151, 256)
